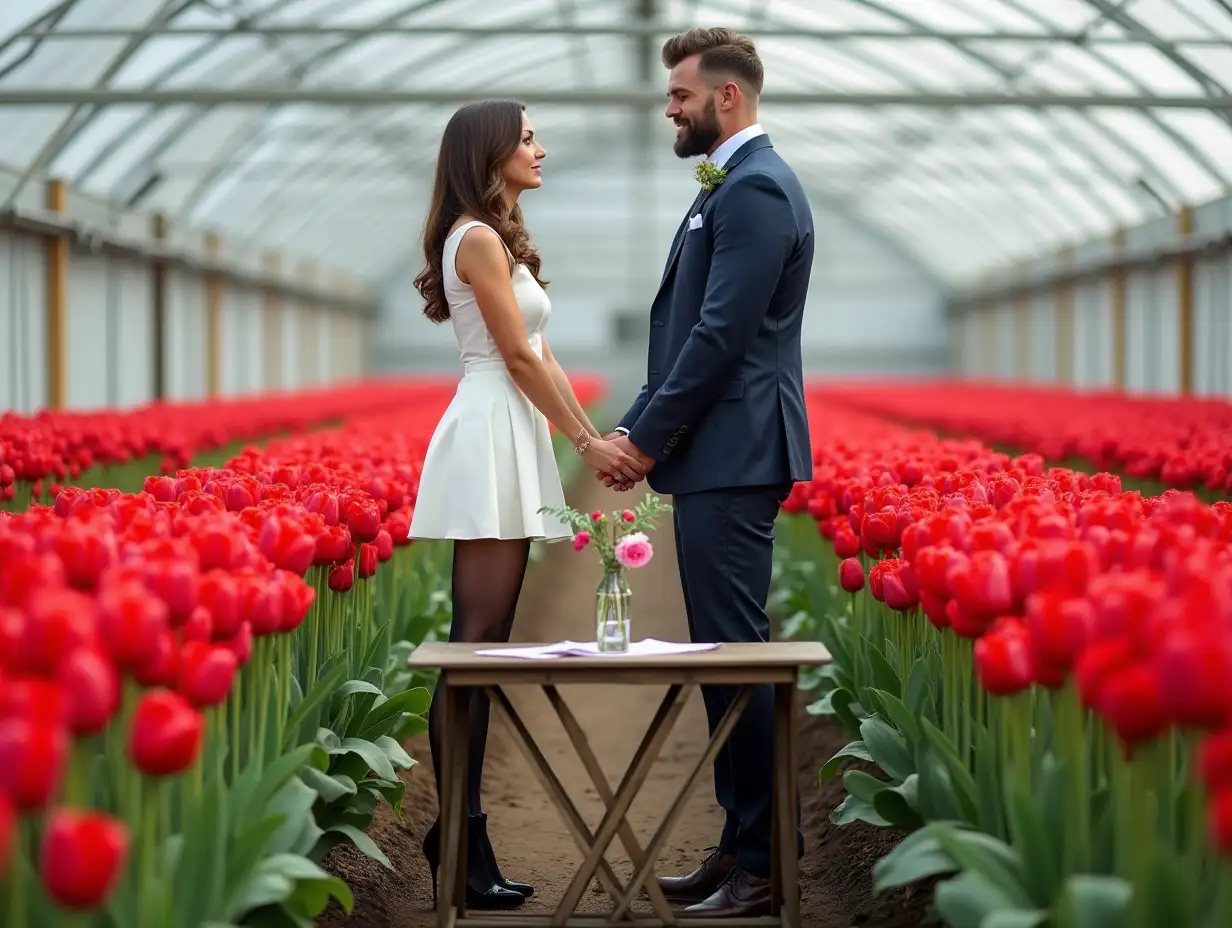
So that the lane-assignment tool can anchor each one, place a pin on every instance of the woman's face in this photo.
(522, 170)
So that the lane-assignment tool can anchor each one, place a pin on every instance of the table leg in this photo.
(555, 790)
(721, 733)
(453, 783)
(448, 853)
(628, 837)
(786, 869)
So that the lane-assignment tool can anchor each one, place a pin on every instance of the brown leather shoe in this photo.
(702, 882)
(741, 896)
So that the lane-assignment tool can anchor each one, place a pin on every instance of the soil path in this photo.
(530, 839)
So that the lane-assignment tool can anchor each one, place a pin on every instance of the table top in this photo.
(766, 655)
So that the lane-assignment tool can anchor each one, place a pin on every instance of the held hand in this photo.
(644, 461)
(609, 459)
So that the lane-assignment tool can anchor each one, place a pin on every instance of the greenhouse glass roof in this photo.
(974, 131)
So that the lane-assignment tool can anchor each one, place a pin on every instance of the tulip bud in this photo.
(851, 575)
(165, 737)
(206, 673)
(342, 577)
(34, 756)
(81, 857)
(91, 687)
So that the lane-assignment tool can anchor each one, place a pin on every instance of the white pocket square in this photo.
(695, 222)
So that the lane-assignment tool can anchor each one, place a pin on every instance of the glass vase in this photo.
(612, 614)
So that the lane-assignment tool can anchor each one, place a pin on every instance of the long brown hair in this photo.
(477, 141)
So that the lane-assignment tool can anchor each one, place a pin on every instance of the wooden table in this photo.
(741, 665)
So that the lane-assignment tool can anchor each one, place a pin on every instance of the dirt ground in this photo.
(528, 834)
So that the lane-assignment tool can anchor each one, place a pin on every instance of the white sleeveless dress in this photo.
(490, 464)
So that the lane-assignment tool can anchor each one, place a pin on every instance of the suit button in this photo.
(656, 323)
(654, 372)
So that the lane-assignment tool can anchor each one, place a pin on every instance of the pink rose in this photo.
(581, 540)
(596, 516)
(634, 550)
(628, 515)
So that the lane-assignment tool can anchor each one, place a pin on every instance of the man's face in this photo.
(691, 107)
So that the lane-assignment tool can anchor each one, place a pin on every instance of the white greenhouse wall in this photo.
(986, 339)
(109, 333)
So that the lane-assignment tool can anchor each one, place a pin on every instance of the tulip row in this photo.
(1037, 664)
(1174, 441)
(203, 684)
(117, 448)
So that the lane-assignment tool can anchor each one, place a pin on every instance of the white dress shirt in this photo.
(720, 157)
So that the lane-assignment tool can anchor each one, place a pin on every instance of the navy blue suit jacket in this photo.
(723, 404)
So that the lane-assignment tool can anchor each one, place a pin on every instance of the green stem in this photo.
(233, 709)
(18, 904)
(264, 671)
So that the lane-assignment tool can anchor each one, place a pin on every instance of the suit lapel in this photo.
(752, 145)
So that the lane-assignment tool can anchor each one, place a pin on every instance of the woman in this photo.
(490, 465)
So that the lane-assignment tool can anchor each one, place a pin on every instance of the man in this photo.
(720, 424)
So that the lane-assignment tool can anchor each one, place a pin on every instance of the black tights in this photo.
(487, 580)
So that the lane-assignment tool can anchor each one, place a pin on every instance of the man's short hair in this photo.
(722, 52)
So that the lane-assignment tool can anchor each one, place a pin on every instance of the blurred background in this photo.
(210, 197)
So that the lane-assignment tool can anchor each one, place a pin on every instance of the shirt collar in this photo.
(729, 148)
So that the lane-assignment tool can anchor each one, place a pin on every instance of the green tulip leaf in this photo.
(917, 857)
(1088, 901)
(961, 781)
(395, 752)
(915, 694)
(887, 747)
(362, 842)
(935, 793)
(968, 899)
(371, 754)
(885, 677)
(305, 718)
(843, 702)
(298, 831)
(989, 787)
(1015, 918)
(385, 718)
(862, 785)
(852, 809)
(856, 750)
(897, 805)
(391, 791)
(1041, 861)
(992, 859)
(329, 788)
(902, 717)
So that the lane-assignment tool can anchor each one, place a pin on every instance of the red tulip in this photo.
(206, 673)
(1131, 704)
(368, 561)
(1216, 761)
(342, 577)
(91, 688)
(362, 516)
(34, 756)
(220, 595)
(131, 620)
(851, 575)
(287, 545)
(166, 733)
(1003, 659)
(82, 856)
(1219, 820)
(58, 621)
(86, 551)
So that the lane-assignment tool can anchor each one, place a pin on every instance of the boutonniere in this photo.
(709, 174)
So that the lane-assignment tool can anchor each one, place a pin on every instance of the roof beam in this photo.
(633, 28)
(598, 96)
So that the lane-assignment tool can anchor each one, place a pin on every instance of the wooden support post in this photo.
(1185, 305)
(213, 320)
(158, 311)
(1065, 323)
(57, 302)
(309, 331)
(271, 374)
(1119, 339)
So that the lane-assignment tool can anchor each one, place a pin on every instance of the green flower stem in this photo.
(18, 914)
(234, 710)
(263, 652)
(1071, 746)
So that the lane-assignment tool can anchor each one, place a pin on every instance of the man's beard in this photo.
(699, 136)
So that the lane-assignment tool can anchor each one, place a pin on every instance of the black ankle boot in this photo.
(524, 889)
(482, 890)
